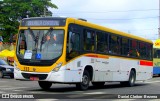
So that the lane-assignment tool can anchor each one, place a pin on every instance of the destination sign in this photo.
(43, 22)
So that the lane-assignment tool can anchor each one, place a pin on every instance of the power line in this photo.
(153, 17)
(124, 19)
(115, 18)
(140, 29)
(71, 12)
(159, 21)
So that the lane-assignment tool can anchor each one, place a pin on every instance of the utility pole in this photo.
(159, 22)
(44, 11)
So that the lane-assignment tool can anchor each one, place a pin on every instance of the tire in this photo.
(12, 76)
(45, 85)
(1, 74)
(131, 81)
(98, 84)
(84, 85)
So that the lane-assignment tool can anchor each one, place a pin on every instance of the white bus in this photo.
(74, 51)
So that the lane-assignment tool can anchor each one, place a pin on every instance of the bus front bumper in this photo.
(63, 76)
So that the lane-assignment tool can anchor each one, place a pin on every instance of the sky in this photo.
(137, 17)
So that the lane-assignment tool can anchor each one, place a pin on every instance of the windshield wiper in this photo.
(43, 40)
(32, 34)
(35, 38)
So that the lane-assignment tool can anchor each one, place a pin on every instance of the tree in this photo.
(12, 11)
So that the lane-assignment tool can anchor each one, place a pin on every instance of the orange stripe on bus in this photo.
(97, 56)
(146, 63)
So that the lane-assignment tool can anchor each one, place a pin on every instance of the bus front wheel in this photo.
(84, 85)
(45, 84)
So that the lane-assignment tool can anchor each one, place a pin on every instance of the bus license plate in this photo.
(34, 78)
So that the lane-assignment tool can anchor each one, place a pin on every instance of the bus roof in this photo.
(98, 27)
(82, 22)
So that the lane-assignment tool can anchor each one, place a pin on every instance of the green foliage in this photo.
(12, 11)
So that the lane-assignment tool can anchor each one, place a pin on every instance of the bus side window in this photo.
(75, 41)
(69, 44)
(142, 50)
(114, 44)
(102, 42)
(134, 51)
(73, 45)
(89, 37)
(125, 47)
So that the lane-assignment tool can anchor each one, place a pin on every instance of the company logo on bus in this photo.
(157, 43)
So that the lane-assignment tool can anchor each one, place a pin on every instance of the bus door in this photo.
(73, 50)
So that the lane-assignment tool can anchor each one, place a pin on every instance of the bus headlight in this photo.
(57, 67)
(15, 66)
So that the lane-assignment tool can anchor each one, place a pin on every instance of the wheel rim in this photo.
(85, 80)
(132, 79)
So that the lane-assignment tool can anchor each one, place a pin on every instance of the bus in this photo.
(73, 51)
(156, 61)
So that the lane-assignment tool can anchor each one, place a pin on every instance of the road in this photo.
(66, 91)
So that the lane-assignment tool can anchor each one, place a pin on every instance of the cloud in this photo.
(139, 17)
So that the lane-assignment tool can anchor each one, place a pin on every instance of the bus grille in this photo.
(40, 76)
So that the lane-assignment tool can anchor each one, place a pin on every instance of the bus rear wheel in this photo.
(84, 85)
(45, 84)
(131, 81)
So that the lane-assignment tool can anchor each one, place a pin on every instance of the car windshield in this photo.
(40, 44)
(2, 62)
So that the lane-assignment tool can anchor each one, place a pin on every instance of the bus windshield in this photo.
(40, 44)
(156, 53)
